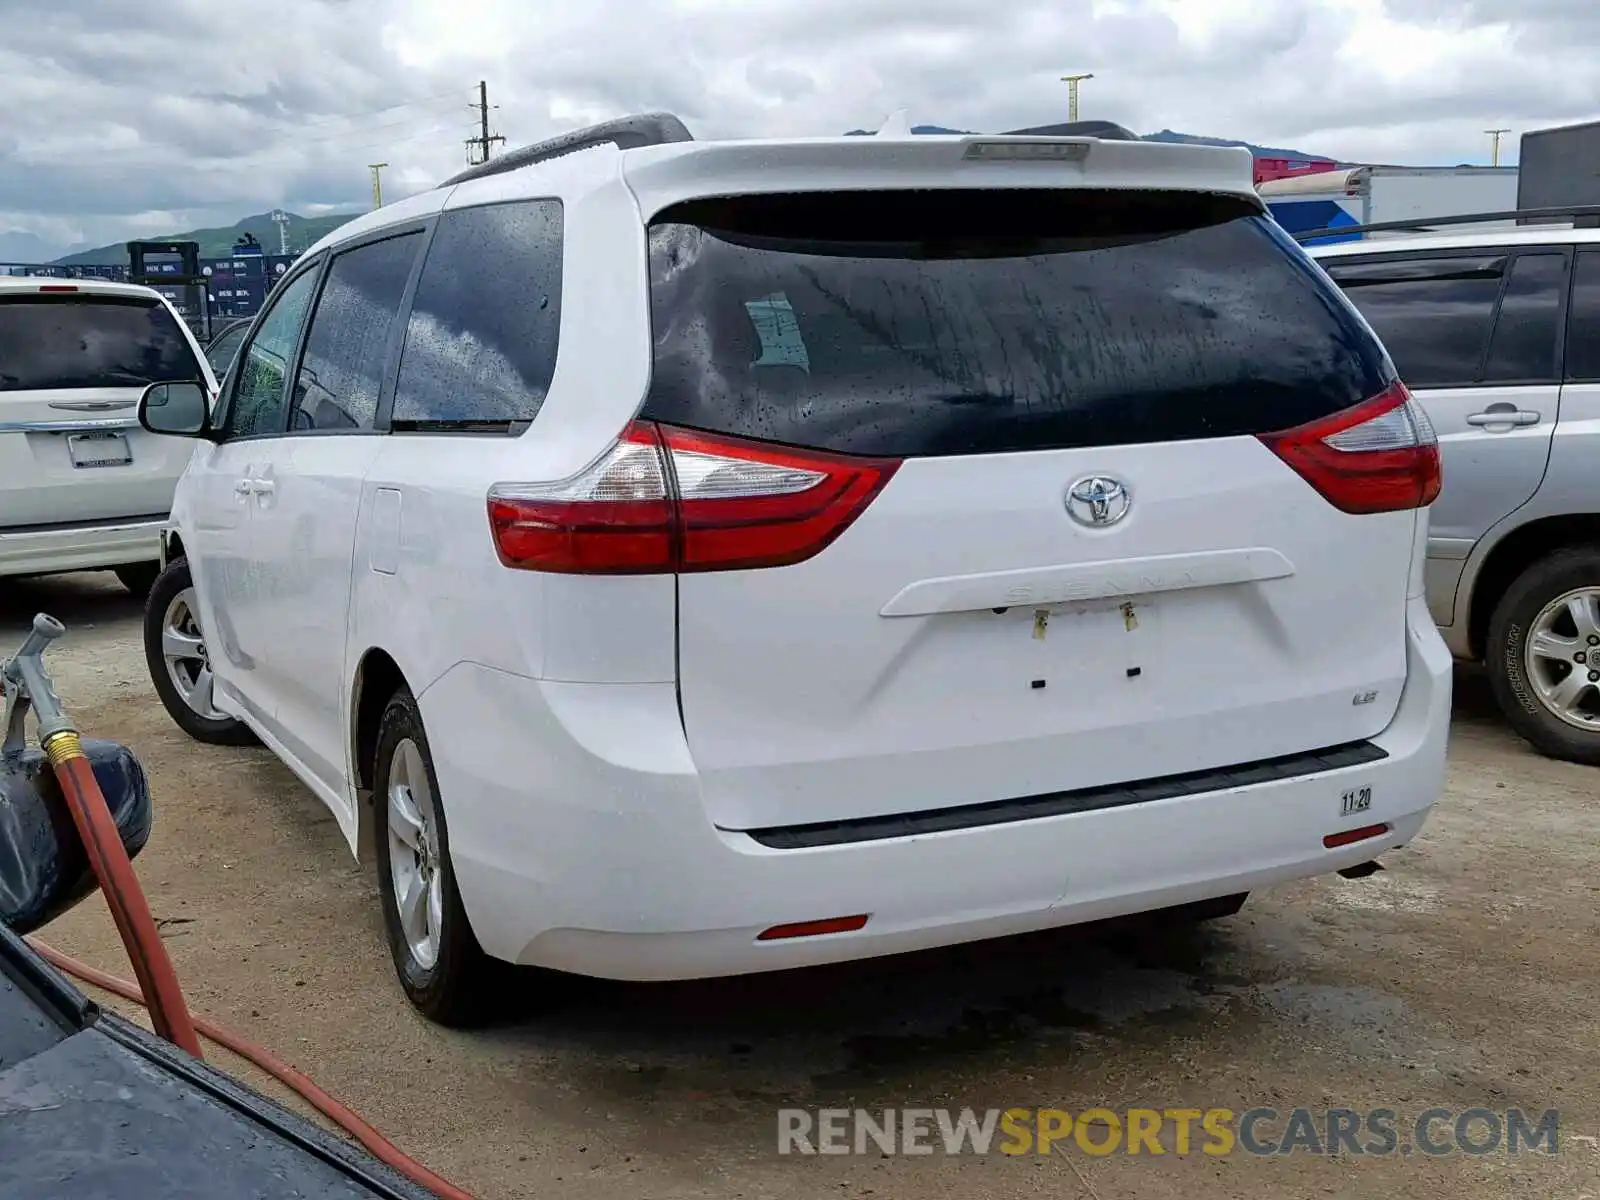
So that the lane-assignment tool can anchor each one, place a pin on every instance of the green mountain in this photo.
(218, 243)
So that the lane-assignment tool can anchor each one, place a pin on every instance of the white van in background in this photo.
(82, 486)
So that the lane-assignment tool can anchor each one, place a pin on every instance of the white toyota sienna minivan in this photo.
(690, 558)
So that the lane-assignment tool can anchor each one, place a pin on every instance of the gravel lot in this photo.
(1462, 976)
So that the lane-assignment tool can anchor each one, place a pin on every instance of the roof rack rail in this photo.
(1582, 216)
(1109, 130)
(625, 133)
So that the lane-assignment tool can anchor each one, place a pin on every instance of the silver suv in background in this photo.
(1497, 332)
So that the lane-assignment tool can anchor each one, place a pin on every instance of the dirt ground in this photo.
(1462, 976)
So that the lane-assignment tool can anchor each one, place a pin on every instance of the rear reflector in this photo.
(1379, 456)
(1349, 837)
(665, 500)
(813, 928)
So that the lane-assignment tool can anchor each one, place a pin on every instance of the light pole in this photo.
(1072, 82)
(377, 183)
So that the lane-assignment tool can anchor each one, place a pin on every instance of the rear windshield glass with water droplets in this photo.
(83, 341)
(969, 322)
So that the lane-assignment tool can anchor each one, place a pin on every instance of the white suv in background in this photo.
(81, 484)
(689, 558)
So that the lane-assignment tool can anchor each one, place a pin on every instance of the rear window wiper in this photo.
(985, 399)
(462, 425)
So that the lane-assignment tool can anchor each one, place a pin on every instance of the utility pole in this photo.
(485, 140)
(1494, 145)
(1072, 82)
(377, 183)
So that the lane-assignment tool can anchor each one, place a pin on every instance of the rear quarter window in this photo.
(939, 323)
(480, 343)
(75, 341)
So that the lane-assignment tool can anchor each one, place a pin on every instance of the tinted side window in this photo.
(1583, 326)
(260, 396)
(967, 322)
(341, 371)
(1523, 347)
(83, 341)
(1433, 314)
(480, 343)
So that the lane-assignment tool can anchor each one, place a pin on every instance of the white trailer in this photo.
(1373, 195)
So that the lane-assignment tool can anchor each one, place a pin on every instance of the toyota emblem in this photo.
(1098, 501)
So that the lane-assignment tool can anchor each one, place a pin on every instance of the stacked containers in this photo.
(238, 284)
(185, 297)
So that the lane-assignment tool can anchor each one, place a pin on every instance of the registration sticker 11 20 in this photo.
(1356, 800)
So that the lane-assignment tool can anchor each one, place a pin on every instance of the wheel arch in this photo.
(377, 677)
(1511, 556)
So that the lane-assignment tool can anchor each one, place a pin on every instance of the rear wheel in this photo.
(180, 663)
(1543, 654)
(442, 969)
(139, 578)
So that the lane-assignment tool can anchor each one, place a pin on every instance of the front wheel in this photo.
(1543, 654)
(442, 969)
(180, 663)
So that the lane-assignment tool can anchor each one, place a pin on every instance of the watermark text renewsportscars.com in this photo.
(1261, 1132)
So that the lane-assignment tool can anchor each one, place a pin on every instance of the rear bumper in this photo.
(80, 546)
(581, 843)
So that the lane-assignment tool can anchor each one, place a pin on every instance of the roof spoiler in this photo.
(1582, 216)
(661, 128)
(1108, 130)
(625, 133)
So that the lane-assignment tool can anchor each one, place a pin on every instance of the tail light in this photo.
(1379, 456)
(667, 500)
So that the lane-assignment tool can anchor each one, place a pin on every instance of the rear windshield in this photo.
(967, 322)
(71, 341)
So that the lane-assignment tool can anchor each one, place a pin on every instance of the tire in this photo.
(173, 587)
(1519, 615)
(139, 578)
(451, 982)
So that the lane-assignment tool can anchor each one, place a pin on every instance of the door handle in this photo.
(1503, 416)
(263, 487)
(243, 487)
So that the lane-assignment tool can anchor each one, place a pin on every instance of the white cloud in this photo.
(189, 112)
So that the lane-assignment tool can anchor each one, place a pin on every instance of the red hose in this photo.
(108, 858)
(169, 1013)
(379, 1146)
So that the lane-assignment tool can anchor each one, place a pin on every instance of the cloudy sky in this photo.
(129, 118)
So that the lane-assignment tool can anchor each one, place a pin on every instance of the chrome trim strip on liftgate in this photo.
(85, 425)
